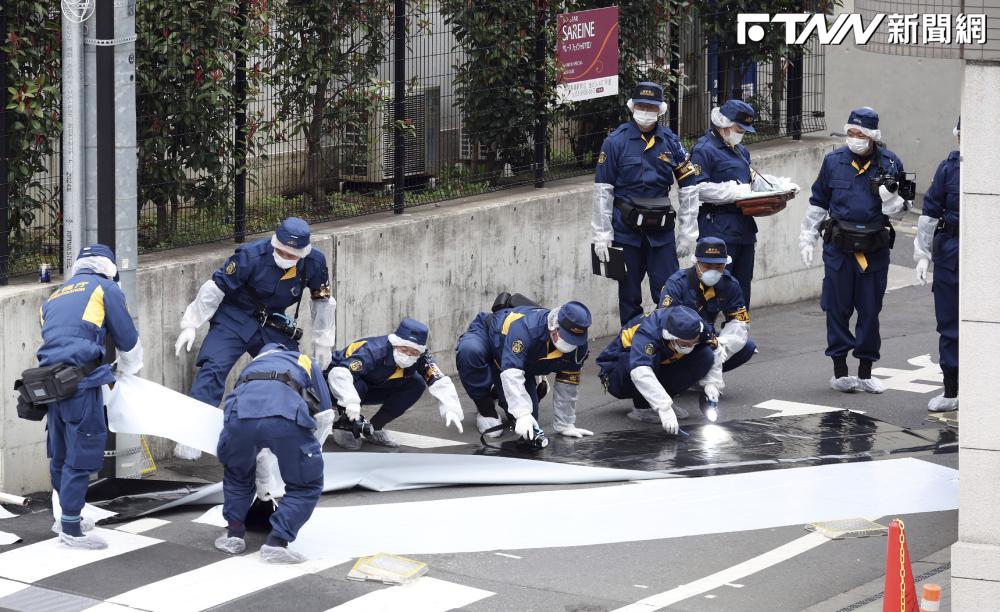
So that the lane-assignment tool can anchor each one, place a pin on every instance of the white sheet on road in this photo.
(140, 406)
(688, 506)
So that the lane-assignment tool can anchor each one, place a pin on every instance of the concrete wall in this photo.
(440, 263)
(917, 100)
(976, 556)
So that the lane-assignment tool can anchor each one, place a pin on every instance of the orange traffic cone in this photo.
(900, 592)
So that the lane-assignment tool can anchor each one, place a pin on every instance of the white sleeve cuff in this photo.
(324, 322)
(204, 305)
(600, 222)
(518, 401)
(646, 383)
(342, 386)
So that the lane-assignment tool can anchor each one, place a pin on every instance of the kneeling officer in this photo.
(281, 403)
(75, 320)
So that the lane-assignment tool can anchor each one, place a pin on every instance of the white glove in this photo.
(130, 361)
(792, 187)
(712, 393)
(186, 452)
(525, 426)
(922, 265)
(575, 432)
(669, 421)
(885, 194)
(322, 357)
(324, 425)
(601, 249)
(807, 255)
(452, 415)
(353, 411)
(186, 337)
(684, 248)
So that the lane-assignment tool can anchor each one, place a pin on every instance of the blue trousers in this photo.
(300, 460)
(945, 288)
(742, 266)
(479, 374)
(655, 262)
(847, 288)
(742, 356)
(221, 350)
(675, 377)
(395, 396)
(78, 432)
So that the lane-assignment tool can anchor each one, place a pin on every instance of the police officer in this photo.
(937, 237)
(656, 356)
(857, 239)
(393, 371)
(502, 352)
(281, 403)
(75, 321)
(638, 163)
(710, 289)
(245, 301)
(723, 174)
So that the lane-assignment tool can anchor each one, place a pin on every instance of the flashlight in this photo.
(709, 408)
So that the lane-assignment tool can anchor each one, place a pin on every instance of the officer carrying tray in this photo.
(764, 203)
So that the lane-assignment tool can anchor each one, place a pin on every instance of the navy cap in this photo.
(97, 250)
(682, 322)
(647, 92)
(293, 232)
(410, 333)
(864, 117)
(740, 113)
(574, 319)
(711, 250)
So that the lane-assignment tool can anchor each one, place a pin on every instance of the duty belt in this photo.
(307, 393)
(641, 218)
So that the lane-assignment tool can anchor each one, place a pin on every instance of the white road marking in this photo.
(47, 558)
(142, 525)
(710, 596)
(418, 441)
(796, 408)
(215, 584)
(734, 585)
(422, 595)
(736, 572)
(640, 586)
(902, 380)
(9, 587)
(506, 555)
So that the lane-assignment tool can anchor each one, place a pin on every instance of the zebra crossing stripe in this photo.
(48, 557)
(423, 595)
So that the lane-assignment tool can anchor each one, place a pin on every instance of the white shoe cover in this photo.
(230, 544)
(484, 423)
(382, 438)
(346, 440)
(942, 404)
(280, 555)
(186, 452)
(871, 385)
(90, 541)
(844, 384)
(86, 524)
(646, 415)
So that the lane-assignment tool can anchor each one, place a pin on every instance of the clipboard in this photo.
(614, 268)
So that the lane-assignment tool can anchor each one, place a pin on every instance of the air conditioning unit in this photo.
(366, 150)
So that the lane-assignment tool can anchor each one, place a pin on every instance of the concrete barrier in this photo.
(438, 263)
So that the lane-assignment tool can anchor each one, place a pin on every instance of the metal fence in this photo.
(262, 110)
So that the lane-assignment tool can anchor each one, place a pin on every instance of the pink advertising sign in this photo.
(587, 54)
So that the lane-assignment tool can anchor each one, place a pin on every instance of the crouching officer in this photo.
(638, 163)
(709, 289)
(860, 187)
(937, 237)
(245, 301)
(656, 356)
(725, 174)
(75, 321)
(502, 352)
(280, 403)
(393, 371)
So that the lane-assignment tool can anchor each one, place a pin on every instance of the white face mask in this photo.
(858, 145)
(711, 277)
(683, 350)
(283, 263)
(564, 347)
(645, 118)
(403, 360)
(733, 138)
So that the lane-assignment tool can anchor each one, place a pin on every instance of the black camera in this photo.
(357, 428)
(903, 185)
(538, 443)
(281, 322)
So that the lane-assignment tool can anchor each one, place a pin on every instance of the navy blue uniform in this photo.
(941, 202)
(640, 343)
(725, 298)
(642, 168)
(853, 281)
(251, 282)
(75, 321)
(718, 163)
(271, 414)
(512, 338)
(379, 381)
